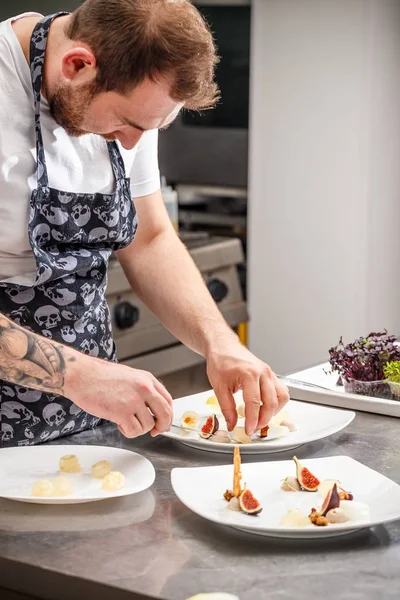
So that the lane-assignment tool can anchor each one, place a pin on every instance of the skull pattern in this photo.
(72, 236)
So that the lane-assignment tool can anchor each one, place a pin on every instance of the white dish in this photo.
(21, 467)
(312, 423)
(335, 395)
(201, 490)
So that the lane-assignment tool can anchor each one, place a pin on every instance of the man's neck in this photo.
(23, 29)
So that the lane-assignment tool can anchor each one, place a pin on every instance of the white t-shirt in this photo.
(73, 164)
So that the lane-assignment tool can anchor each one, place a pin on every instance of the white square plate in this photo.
(201, 490)
(312, 423)
(20, 467)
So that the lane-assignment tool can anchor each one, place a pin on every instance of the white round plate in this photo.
(21, 467)
(313, 423)
(201, 490)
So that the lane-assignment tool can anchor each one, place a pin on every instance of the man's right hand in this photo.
(133, 399)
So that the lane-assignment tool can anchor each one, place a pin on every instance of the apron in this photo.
(72, 237)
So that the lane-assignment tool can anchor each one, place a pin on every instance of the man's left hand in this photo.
(231, 367)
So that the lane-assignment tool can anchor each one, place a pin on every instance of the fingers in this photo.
(282, 392)
(251, 397)
(162, 413)
(145, 419)
(163, 391)
(131, 428)
(269, 400)
(228, 406)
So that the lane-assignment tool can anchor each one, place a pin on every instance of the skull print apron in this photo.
(72, 236)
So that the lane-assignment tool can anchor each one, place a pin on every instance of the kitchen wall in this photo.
(45, 7)
(324, 176)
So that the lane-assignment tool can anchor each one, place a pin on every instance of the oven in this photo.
(142, 341)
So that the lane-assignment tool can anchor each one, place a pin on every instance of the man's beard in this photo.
(68, 107)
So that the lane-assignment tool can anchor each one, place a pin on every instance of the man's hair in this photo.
(133, 40)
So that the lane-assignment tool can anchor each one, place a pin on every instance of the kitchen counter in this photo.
(150, 545)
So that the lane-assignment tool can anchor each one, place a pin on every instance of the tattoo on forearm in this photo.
(30, 360)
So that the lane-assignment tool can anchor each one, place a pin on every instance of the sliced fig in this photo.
(290, 484)
(306, 479)
(249, 504)
(331, 501)
(327, 485)
(264, 431)
(209, 427)
(190, 419)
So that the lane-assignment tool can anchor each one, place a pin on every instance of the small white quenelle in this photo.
(62, 486)
(101, 469)
(43, 488)
(113, 482)
(70, 464)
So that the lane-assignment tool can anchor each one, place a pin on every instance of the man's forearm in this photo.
(29, 360)
(166, 279)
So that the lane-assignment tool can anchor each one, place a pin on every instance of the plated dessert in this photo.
(111, 481)
(336, 506)
(199, 423)
(213, 427)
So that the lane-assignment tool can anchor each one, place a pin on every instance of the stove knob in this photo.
(218, 289)
(126, 315)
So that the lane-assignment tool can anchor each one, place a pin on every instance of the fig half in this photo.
(331, 501)
(306, 479)
(249, 504)
(209, 427)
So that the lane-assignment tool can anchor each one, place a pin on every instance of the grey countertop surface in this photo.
(150, 545)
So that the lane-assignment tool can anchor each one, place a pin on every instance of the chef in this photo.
(82, 98)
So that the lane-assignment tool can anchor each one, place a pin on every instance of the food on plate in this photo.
(62, 486)
(70, 464)
(221, 437)
(289, 424)
(241, 409)
(234, 504)
(249, 504)
(306, 479)
(337, 515)
(101, 469)
(328, 484)
(210, 427)
(239, 498)
(317, 519)
(331, 501)
(213, 403)
(291, 484)
(361, 365)
(113, 482)
(264, 431)
(190, 419)
(42, 488)
(240, 436)
(295, 518)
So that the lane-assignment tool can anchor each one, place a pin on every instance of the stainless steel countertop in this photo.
(150, 545)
